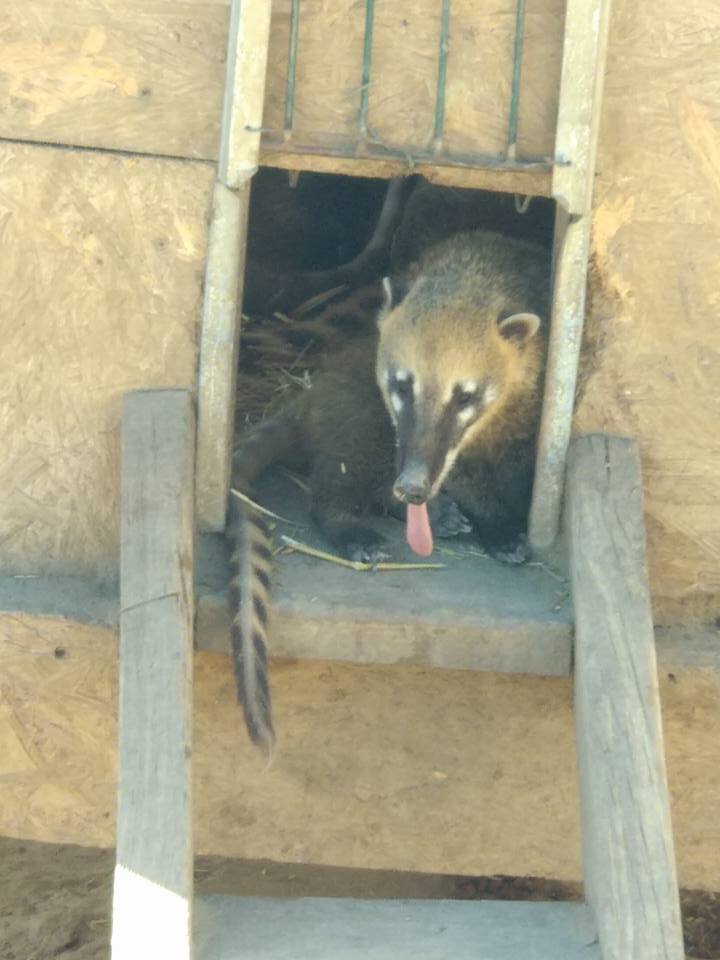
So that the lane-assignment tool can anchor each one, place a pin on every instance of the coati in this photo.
(446, 394)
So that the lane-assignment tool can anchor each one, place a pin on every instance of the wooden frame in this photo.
(583, 72)
(628, 856)
(248, 39)
(152, 895)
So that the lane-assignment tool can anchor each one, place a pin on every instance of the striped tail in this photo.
(249, 601)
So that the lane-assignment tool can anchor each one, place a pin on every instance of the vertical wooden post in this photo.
(152, 896)
(247, 47)
(629, 862)
(578, 125)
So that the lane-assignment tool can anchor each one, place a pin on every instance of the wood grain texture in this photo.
(535, 181)
(138, 76)
(152, 895)
(404, 75)
(219, 337)
(629, 861)
(149, 77)
(654, 309)
(231, 928)
(247, 49)
(397, 768)
(578, 122)
(101, 276)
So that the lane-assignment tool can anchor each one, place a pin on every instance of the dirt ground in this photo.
(55, 900)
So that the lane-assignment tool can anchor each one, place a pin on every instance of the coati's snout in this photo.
(413, 484)
(427, 442)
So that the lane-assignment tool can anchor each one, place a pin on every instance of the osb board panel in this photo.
(657, 245)
(387, 768)
(148, 77)
(131, 75)
(100, 275)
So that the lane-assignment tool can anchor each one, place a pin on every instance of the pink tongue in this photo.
(418, 532)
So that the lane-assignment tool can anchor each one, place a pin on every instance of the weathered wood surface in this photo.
(396, 768)
(149, 77)
(534, 181)
(232, 928)
(629, 861)
(247, 50)
(152, 896)
(219, 337)
(578, 123)
(652, 317)
(139, 76)
(101, 274)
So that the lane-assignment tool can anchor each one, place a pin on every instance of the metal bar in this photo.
(292, 65)
(586, 26)
(442, 74)
(516, 76)
(366, 64)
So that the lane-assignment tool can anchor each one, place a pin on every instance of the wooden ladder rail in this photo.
(628, 855)
(153, 880)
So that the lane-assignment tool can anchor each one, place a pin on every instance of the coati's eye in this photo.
(466, 394)
(465, 398)
(400, 383)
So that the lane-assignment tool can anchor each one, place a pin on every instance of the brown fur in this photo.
(448, 327)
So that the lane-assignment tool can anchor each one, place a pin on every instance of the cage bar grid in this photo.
(367, 144)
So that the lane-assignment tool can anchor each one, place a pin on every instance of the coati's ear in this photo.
(394, 291)
(519, 327)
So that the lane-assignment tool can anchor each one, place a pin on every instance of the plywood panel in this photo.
(101, 273)
(657, 248)
(137, 75)
(149, 76)
(392, 768)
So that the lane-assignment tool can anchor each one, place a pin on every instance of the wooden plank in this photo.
(578, 122)
(147, 75)
(247, 50)
(233, 928)
(152, 896)
(142, 75)
(629, 861)
(217, 371)
(103, 259)
(535, 181)
(473, 613)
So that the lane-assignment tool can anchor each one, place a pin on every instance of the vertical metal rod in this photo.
(442, 73)
(516, 75)
(292, 65)
(366, 64)
(583, 72)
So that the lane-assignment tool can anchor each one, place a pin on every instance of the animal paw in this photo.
(446, 518)
(514, 553)
(364, 545)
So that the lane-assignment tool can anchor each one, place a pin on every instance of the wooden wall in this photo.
(147, 78)
(101, 270)
(657, 247)
(399, 768)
